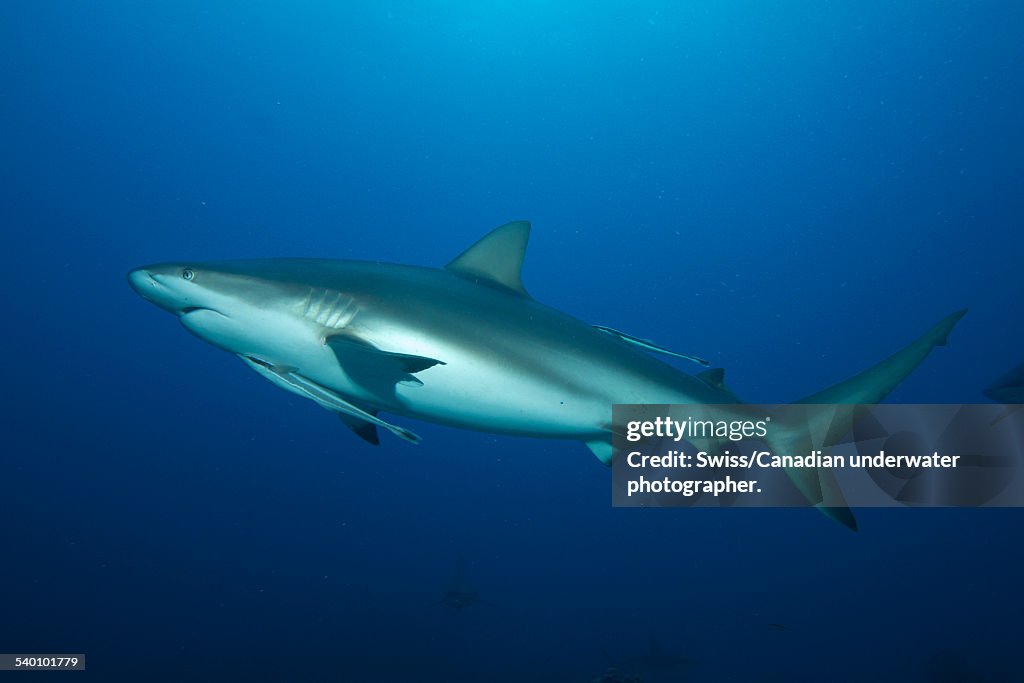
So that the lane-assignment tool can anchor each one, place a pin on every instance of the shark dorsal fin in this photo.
(497, 258)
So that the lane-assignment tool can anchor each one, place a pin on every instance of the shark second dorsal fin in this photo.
(714, 378)
(497, 258)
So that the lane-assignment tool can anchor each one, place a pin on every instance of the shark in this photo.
(464, 346)
(461, 593)
(656, 660)
(1009, 388)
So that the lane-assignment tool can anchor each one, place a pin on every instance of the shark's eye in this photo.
(188, 274)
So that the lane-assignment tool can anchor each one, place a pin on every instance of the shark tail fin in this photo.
(819, 485)
(875, 383)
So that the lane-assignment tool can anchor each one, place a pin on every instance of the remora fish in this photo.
(464, 346)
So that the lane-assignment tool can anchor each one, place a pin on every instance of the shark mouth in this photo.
(193, 309)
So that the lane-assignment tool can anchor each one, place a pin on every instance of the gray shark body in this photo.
(464, 346)
(451, 346)
(1009, 388)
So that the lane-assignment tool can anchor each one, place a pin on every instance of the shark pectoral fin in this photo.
(602, 448)
(496, 259)
(648, 345)
(366, 431)
(360, 358)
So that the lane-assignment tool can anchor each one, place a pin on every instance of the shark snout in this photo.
(156, 288)
(141, 280)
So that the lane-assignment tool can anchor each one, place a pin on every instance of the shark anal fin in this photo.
(496, 259)
(648, 345)
(602, 448)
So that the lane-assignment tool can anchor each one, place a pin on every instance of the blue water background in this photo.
(793, 190)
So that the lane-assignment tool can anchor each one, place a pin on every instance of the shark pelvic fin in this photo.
(286, 378)
(497, 258)
(366, 431)
(648, 345)
(332, 401)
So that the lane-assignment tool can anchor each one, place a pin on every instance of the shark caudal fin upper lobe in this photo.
(819, 485)
(875, 383)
